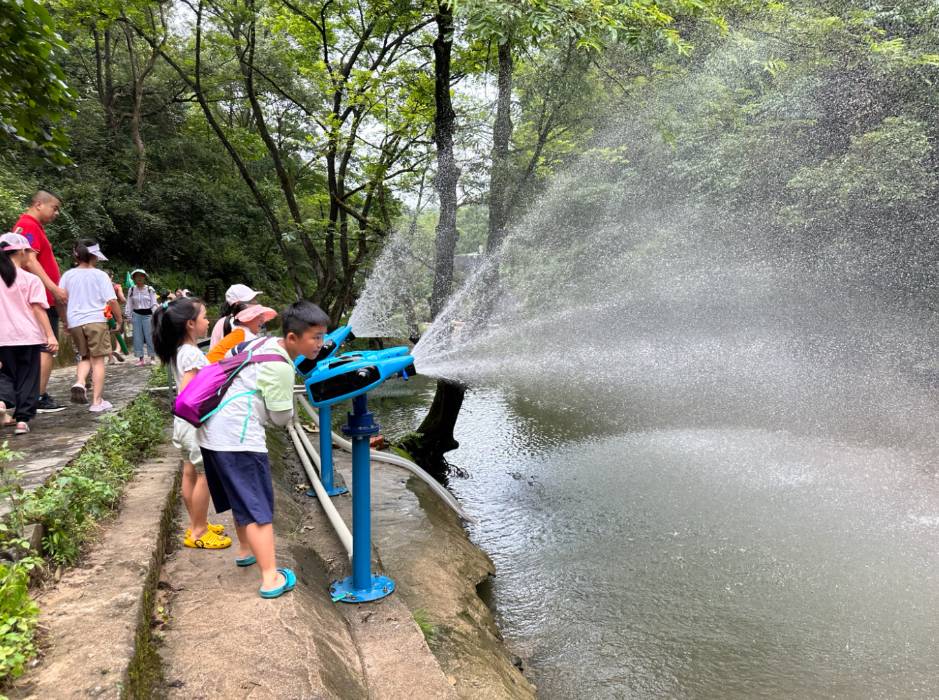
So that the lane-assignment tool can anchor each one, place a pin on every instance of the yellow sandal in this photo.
(218, 529)
(210, 540)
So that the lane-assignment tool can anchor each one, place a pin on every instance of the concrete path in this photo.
(223, 641)
(90, 619)
(55, 438)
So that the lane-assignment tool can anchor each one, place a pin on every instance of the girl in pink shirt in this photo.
(24, 329)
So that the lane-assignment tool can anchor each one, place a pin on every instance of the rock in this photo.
(34, 533)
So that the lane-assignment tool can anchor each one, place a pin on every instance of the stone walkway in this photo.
(55, 438)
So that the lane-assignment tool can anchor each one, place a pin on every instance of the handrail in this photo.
(395, 460)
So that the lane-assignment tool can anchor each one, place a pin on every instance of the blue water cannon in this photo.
(341, 378)
(354, 373)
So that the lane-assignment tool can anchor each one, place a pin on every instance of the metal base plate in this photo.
(334, 491)
(343, 591)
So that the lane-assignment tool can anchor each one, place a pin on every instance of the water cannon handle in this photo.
(404, 374)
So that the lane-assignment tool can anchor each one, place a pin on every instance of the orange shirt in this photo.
(221, 348)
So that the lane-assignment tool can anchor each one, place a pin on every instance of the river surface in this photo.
(690, 562)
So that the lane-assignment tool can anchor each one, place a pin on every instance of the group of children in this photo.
(26, 330)
(226, 458)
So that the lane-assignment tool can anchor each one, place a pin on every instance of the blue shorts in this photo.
(240, 482)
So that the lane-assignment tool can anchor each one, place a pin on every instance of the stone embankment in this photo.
(142, 616)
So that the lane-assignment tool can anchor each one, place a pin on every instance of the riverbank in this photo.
(140, 616)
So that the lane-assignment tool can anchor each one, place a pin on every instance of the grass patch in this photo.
(18, 612)
(67, 506)
(71, 501)
(159, 377)
(428, 629)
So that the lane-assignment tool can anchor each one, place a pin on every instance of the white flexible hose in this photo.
(397, 461)
(334, 518)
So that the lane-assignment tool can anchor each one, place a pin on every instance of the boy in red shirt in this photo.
(43, 209)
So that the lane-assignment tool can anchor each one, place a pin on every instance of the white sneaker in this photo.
(101, 407)
(21, 428)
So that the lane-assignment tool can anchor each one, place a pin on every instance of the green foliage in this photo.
(428, 629)
(885, 170)
(18, 617)
(18, 612)
(70, 502)
(33, 94)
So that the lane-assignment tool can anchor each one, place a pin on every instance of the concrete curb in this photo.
(144, 670)
(96, 619)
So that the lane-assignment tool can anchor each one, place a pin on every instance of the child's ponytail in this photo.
(169, 325)
(7, 267)
(230, 311)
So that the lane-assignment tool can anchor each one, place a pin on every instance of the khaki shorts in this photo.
(91, 340)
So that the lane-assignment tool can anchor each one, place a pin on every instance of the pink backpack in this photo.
(203, 396)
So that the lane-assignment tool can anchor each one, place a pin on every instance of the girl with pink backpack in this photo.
(177, 327)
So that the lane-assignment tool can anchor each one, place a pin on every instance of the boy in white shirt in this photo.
(89, 291)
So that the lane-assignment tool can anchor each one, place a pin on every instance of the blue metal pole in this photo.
(326, 452)
(361, 586)
(361, 505)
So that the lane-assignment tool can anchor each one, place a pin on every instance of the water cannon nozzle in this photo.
(355, 373)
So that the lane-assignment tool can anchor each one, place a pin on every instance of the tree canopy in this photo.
(284, 141)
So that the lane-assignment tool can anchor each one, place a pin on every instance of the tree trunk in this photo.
(447, 171)
(501, 137)
(434, 437)
(138, 78)
(246, 61)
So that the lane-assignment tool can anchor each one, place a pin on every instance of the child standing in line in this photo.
(237, 297)
(177, 327)
(117, 334)
(89, 291)
(141, 301)
(24, 330)
(248, 324)
(234, 449)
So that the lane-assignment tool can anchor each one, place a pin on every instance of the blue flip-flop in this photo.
(290, 582)
(246, 561)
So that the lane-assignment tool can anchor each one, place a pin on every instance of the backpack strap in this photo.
(250, 359)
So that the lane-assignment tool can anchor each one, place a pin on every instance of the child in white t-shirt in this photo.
(177, 327)
(89, 291)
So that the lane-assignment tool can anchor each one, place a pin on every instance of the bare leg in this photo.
(200, 502)
(81, 372)
(261, 540)
(97, 379)
(196, 498)
(46, 360)
(188, 483)
(244, 548)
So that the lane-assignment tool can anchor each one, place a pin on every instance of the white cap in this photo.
(96, 251)
(240, 292)
(15, 241)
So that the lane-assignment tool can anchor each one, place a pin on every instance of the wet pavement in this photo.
(55, 438)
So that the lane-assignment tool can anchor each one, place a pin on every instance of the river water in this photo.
(697, 561)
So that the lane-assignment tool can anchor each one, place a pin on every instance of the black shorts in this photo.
(53, 313)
